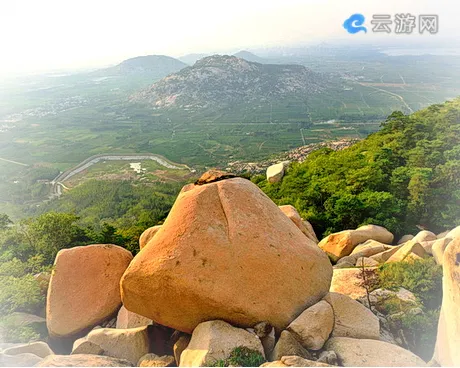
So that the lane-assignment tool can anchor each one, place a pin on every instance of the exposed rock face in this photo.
(438, 249)
(348, 281)
(275, 173)
(287, 344)
(313, 327)
(214, 340)
(219, 247)
(352, 319)
(454, 233)
(372, 353)
(424, 236)
(294, 361)
(83, 346)
(292, 213)
(341, 244)
(39, 348)
(369, 248)
(384, 256)
(366, 262)
(84, 288)
(180, 345)
(127, 319)
(129, 344)
(83, 360)
(405, 238)
(378, 297)
(408, 251)
(447, 352)
(153, 360)
(147, 235)
(19, 360)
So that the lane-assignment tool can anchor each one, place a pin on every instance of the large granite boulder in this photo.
(147, 235)
(215, 340)
(226, 252)
(372, 353)
(303, 226)
(341, 244)
(85, 287)
(83, 360)
(352, 319)
(447, 352)
(127, 319)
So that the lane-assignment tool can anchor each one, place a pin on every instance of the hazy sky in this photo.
(59, 34)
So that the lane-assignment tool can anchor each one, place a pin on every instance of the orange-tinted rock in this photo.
(84, 288)
(294, 216)
(226, 252)
(147, 235)
(447, 352)
(341, 244)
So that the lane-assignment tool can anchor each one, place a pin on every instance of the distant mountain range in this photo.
(221, 81)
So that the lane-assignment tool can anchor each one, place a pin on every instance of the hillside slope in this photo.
(223, 81)
(404, 177)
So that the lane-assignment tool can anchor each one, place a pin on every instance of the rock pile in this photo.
(228, 272)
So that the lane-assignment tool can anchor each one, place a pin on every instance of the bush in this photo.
(420, 332)
(20, 294)
(422, 277)
(241, 357)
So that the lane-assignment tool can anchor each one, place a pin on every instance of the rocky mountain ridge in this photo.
(220, 81)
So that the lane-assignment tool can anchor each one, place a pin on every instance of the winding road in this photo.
(57, 182)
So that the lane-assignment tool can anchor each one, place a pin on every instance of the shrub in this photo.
(11, 332)
(241, 357)
(422, 277)
(21, 294)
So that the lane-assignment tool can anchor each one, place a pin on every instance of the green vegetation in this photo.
(241, 357)
(405, 175)
(423, 278)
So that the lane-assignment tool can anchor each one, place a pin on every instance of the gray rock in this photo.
(83, 360)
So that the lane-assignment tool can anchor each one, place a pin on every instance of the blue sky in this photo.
(55, 34)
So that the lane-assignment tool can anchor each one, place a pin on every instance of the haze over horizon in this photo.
(55, 35)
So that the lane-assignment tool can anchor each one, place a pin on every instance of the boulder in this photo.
(384, 256)
(328, 357)
(180, 345)
(352, 319)
(428, 246)
(147, 235)
(410, 248)
(153, 360)
(424, 236)
(83, 360)
(266, 333)
(294, 216)
(454, 233)
(296, 361)
(39, 348)
(313, 327)
(369, 248)
(442, 235)
(127, 319)
(215, 340)
(83, 346)
(19, 360)
(438, 249)
(85, 287)
(341, 244)
(219, 247)
(366, 262)
(372, 353)
(447, 352)
(287, 344)
(348, 281)
(405, 238)
(129, 344)
(380, 297)
(275, 173)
